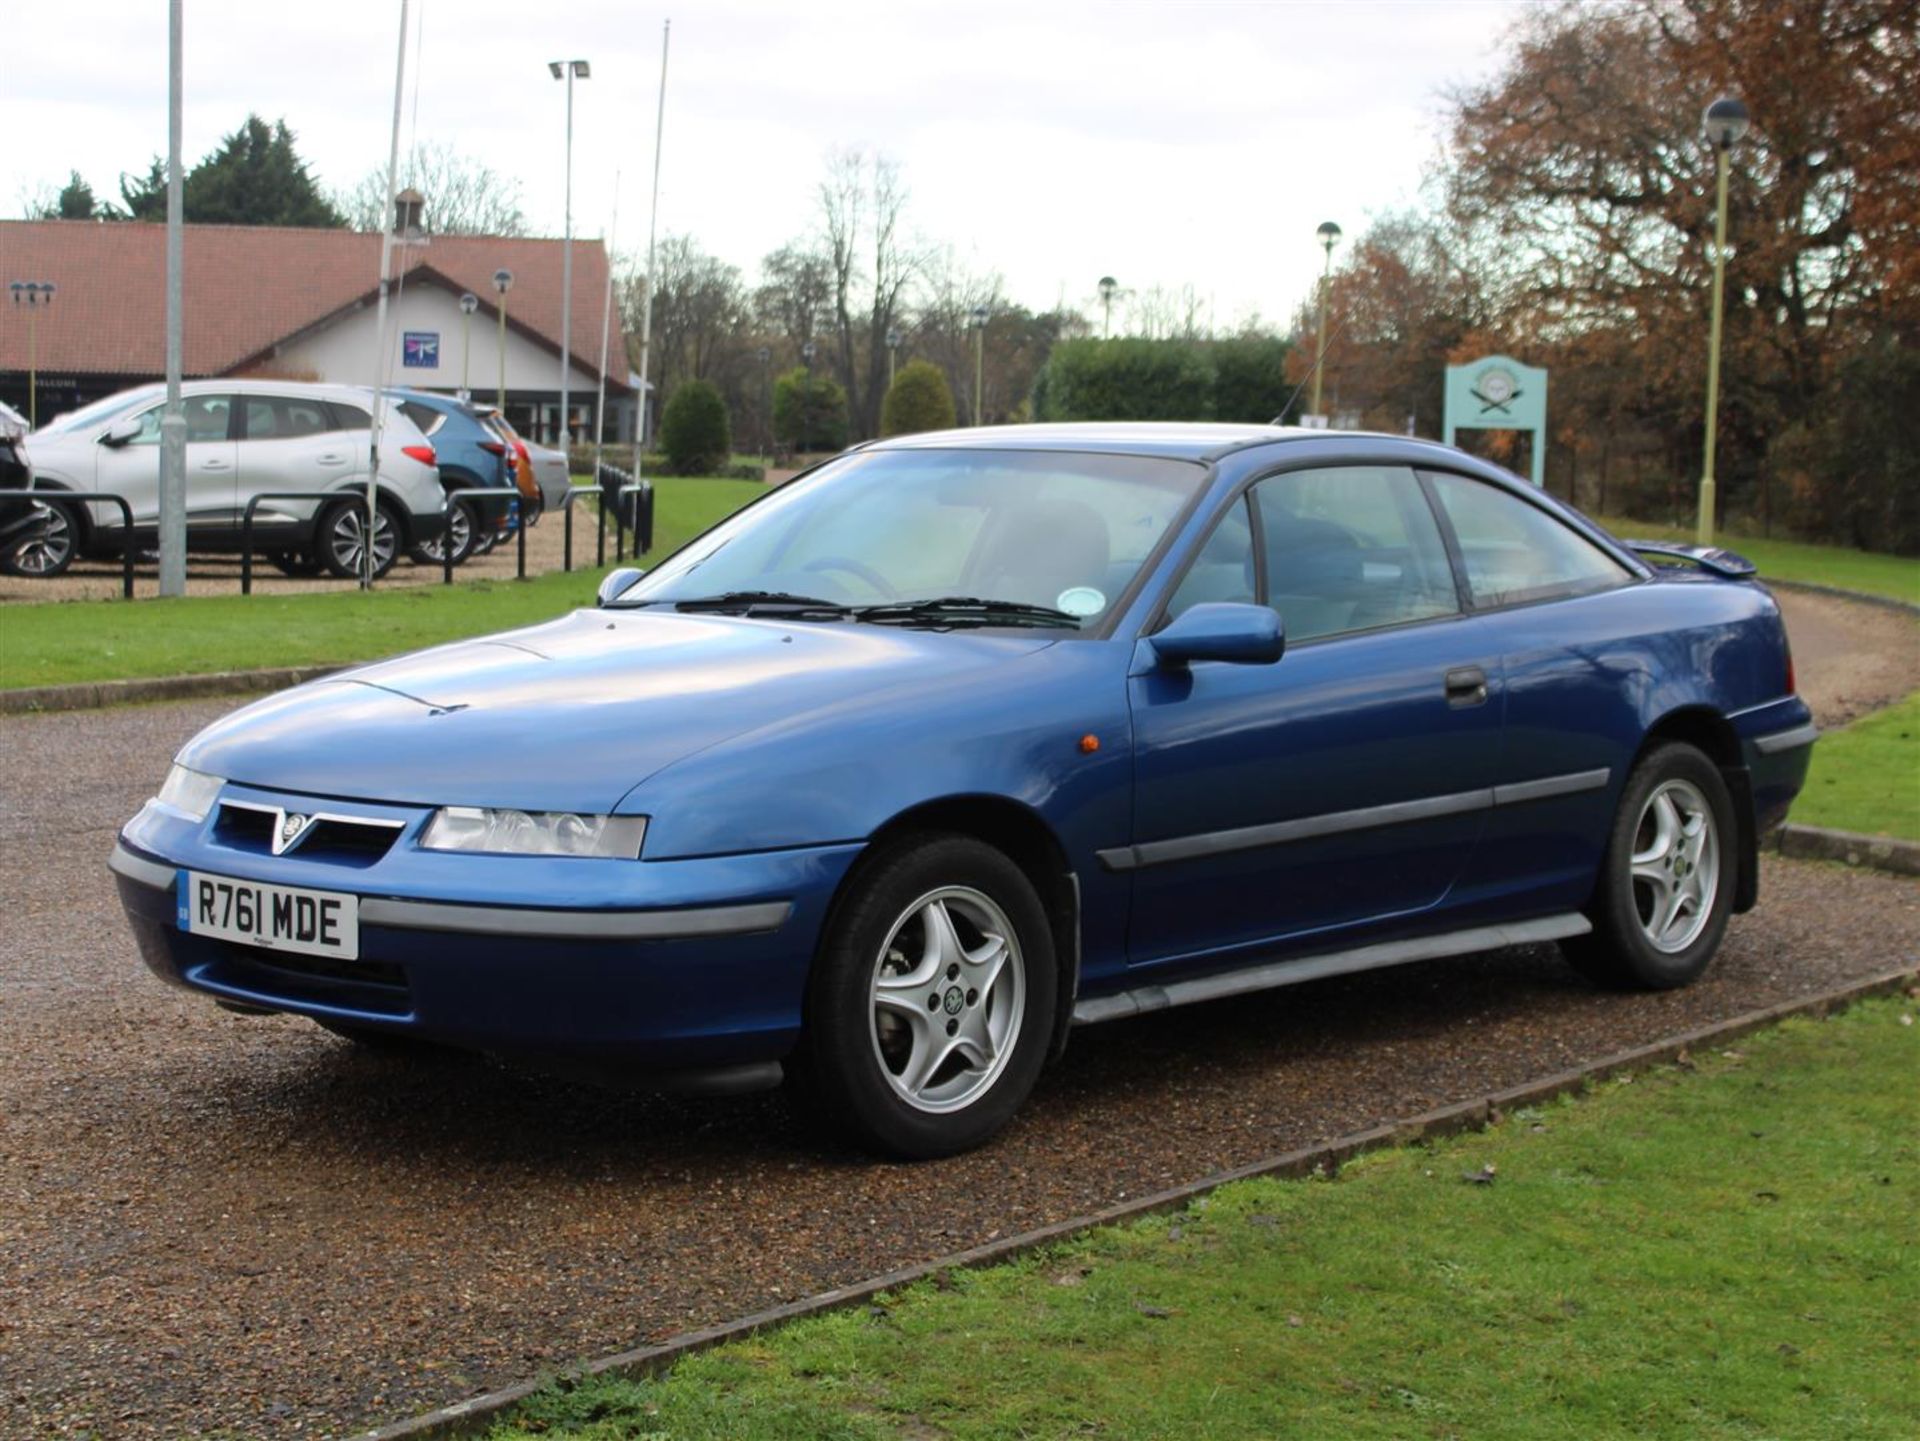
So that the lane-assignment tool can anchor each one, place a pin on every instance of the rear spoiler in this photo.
(1707, 557)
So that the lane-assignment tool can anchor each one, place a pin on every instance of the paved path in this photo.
(210, 1223)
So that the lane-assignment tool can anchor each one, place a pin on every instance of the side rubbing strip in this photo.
(1779, 741)
(1333, 823)
(1549, 786)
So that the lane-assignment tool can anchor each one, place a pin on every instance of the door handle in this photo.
(331, 459)
(214, 465)
(1466, 686)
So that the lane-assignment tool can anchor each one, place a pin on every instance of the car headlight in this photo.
(533, 833)
(192, 793)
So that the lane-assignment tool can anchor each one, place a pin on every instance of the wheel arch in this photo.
(1713, 735)
(1019, 833)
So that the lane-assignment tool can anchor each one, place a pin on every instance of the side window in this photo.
(425, 416)
(349, 417)
(1352, 548)
(1223, 571)
(1515, 552)
(207, 416)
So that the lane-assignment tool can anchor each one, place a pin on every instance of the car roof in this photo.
(1174, 439)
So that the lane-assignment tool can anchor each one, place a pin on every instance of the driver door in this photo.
(1341, 787)
(132, 469)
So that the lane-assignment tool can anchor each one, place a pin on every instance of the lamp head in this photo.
(469, 303)
(503, 280)
(1107, 287)
(1329, 234)
(1725, 121)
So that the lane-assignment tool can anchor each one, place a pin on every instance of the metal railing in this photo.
(322, 498)
(516, 510)
(632, 509)
(75, 497)
(566, 514)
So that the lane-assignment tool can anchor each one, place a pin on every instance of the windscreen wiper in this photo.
(764, 602)
(964, 610)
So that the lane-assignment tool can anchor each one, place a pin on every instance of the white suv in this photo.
(246, 439)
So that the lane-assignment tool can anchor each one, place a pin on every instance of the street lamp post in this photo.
(502, 283)
(34, 294)
(804, 431)
(1725, 122)
(893, 351)
(1109, 287)
(567, 70)
(1329, 234)
(978, 320)
(469, 302)
(765, 356)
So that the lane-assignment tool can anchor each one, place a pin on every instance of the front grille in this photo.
(376, 987)
(344, 840)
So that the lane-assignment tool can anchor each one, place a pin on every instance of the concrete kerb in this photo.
(1880, 853)
(1885, 602)
(94, 694)
(467, 1418)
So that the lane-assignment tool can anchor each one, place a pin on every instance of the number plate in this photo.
(274, 918)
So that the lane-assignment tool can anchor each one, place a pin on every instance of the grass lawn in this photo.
(59, 642)
(1866, 776)
(1721, 1252)
(1869, 571)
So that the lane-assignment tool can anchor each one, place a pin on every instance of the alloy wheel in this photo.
(347, 540)
(1675, 866)
(49, 553)
(948, 993)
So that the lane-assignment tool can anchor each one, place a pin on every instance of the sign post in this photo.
(1499, 393)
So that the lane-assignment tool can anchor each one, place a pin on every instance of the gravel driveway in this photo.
(210, 1223)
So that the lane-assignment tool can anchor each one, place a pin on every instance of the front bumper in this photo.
(627, 965)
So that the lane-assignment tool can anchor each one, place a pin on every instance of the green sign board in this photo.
(1499, 393)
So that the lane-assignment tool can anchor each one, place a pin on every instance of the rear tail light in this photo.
(422, 453)
(493, 447)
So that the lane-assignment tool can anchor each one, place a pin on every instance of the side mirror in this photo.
(1222, 630)
(121, 431)
(618, 583)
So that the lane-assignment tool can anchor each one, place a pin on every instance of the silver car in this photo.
(248, 439)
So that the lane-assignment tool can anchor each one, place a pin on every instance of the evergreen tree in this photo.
(256, 177)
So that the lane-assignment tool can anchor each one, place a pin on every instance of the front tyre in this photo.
(932, 1000)
(48, 554)
(1667, 881)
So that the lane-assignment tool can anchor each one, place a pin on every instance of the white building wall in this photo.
(343, 352)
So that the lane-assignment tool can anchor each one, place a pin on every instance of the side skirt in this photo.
(1332, 963)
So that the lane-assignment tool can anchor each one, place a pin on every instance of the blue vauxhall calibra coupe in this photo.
(963, 739)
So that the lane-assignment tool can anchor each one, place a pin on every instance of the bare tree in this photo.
(862, 203)
(700, 311)
(465, 196)
(796, 286)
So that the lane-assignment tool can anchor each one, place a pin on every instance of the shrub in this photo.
(917, 400)
(1250, 378)
(809, 411)
(694, 431)
(1126, 379)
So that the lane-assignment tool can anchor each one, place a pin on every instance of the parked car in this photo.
(27, 546)
(247, 438)
(470, 456)
(532, 502)
(964, 739)
(551, 472)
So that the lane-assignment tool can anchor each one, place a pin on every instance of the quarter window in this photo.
(1223, 570)
(1515, 552)
(1351, 548)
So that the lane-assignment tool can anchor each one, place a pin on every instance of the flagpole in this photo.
(653, 218)
(606, 327)
(380, 316)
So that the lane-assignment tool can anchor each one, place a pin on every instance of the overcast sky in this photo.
(1053, 141)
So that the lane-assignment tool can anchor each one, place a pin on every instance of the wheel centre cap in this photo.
(954, 1000)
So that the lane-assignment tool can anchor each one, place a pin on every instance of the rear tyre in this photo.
(463, 526)
(931, 1001)
(1667, 880)
(49, 555)
(340, 539)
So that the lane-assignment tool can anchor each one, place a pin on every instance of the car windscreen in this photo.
(96, 413)
(1062, 530)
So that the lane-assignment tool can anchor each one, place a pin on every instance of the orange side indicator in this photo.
(1089, 744)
